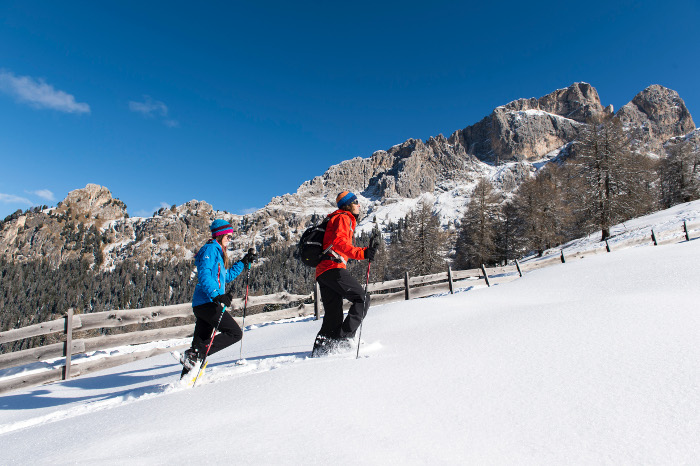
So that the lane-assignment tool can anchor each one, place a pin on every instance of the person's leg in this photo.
(332, 317)
(200, 338)
(207, 317)
(340, 284)
(354, 293)
(332, 304)
(230, 333)
(202, 327)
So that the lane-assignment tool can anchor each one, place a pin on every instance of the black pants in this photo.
(207, 315)
(336, 284)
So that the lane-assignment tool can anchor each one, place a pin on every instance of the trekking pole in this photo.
(359, 335)
(245, 306)
(211, 342)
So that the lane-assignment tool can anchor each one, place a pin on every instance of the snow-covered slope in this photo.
(590, 362)
(666, 223)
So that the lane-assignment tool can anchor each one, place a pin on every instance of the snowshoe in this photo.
(343, 345)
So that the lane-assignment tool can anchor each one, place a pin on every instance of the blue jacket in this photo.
(212, 277)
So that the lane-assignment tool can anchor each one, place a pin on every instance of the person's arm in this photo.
(234, 271)
(343, 240)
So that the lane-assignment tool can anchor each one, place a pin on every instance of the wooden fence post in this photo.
(407, 287)
(607, 245)
(517, 264)
(317, 310)
(486, 277)
(449, 279)
(563, 260)
(68, 348)
(685, 227)
(653, 237)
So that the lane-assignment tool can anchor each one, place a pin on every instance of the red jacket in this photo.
(339, 231)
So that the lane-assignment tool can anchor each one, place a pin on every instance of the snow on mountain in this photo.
(589, 362)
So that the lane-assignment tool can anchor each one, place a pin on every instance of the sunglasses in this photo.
(228, 237)
(355, 202)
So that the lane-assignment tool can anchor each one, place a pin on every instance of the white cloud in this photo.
(39, 94)
(151, 108)
(249, 210)
(43, 193)
(12, 199)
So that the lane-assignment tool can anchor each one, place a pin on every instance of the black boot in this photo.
(323, 345)
(189, 360)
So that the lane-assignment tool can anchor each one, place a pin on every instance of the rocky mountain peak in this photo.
(91, 202)
(577, 102)
(655, 115)
(529, 129)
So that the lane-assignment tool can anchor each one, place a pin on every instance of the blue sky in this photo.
(234, 103)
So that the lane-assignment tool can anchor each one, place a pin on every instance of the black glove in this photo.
(224, 299)
(250, 257)
(371, 250)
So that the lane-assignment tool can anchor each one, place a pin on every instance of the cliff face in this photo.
(654, 116)
(507, 147)
(527, 129)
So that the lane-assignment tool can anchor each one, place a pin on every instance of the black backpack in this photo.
(310, 247)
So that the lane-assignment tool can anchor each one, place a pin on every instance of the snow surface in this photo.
(590, 362)
(666, 224)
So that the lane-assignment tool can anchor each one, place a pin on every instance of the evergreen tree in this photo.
(680, 174)
(380, 264)
(510, 241)
(419, 246)
(476, 241)
(613, 184)
(542, 214)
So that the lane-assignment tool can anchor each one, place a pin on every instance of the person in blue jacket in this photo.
(214, 271)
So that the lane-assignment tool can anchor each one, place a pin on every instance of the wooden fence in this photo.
(382, 293)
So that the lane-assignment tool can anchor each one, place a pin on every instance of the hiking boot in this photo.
(190, 358)
(323, 345)
(326, 345)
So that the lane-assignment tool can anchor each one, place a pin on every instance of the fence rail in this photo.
(383, 293)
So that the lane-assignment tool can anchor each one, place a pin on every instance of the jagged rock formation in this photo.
(527, 129)
(59, 234)
(654, 116)
(90, 224)
(92, 202)
(507, 147)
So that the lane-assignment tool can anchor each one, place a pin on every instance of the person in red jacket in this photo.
(336, 283)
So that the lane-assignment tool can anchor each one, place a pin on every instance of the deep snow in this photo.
(595, 361)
